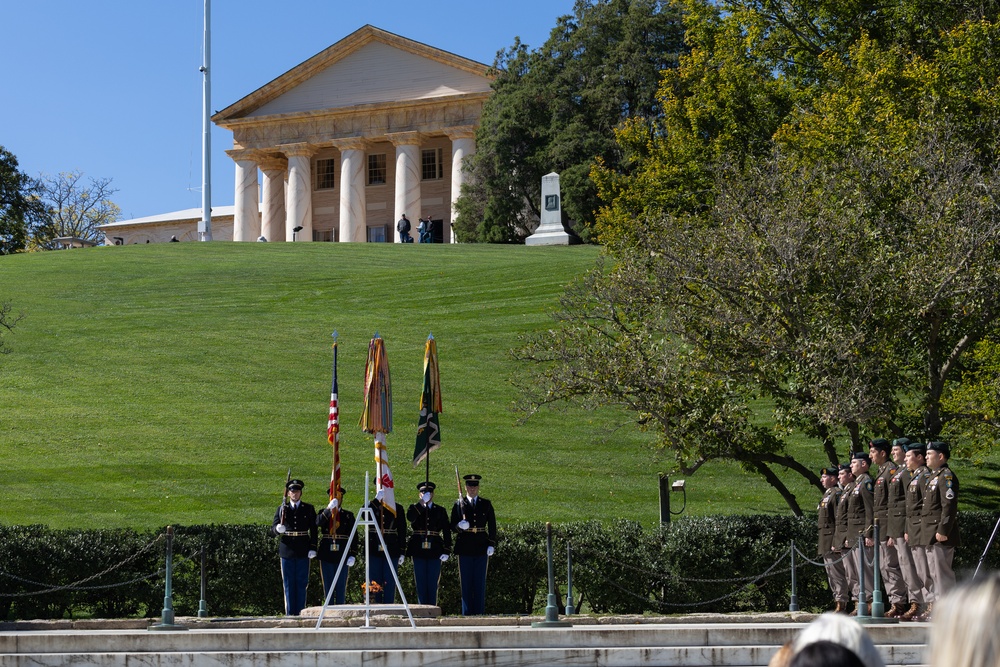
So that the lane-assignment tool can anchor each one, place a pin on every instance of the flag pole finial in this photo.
(334, 335)
(430, 336)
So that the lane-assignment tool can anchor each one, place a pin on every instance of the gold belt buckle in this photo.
(334, 546)
(426, 544)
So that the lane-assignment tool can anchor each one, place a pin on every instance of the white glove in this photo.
(332, 505)
(280, 528)
(350, 561)
(444, 557)
(401, 559)
(380, 495)
(463, 525)
(312, 554)
(489, 551)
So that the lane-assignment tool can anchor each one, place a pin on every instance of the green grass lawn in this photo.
(177, 383)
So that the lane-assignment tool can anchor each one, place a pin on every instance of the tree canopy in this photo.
(555, 109)
(804, 241)
(76, 208)
(21, 208)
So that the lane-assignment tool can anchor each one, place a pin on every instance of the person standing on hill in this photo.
(430, 542)
(475, 526)
(879, 451)
(403, 227)
(295, 525)
(827, 525)
(335, 525)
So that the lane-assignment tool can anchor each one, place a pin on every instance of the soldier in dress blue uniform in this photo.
(394, 532)
(475, 525)
(335, 525)
(295, 524)
(430, 542)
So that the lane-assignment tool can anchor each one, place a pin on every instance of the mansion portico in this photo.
(373, 127)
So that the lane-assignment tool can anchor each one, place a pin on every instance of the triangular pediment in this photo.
(370, 66)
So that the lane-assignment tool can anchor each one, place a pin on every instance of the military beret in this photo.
(430, 486)
(861, 456)
(472, 480)
(881, 444)
(832, 471)
(901, 442)
(938, 446)
(845, 467)
(294, 485)
(917, 447)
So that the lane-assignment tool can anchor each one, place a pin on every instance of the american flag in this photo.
(333, 437)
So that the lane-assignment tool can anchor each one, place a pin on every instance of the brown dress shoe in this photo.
(840, 607)
(926, 616)
(915, 610)
(897, 609)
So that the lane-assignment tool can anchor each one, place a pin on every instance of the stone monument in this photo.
(550, 228)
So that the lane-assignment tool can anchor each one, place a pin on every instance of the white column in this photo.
(246, 216)
(273, 214)
(407, 179)
(463, 145)
(298, 195)
(353, 208)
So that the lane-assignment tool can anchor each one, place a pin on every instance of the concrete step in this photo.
(678, 645)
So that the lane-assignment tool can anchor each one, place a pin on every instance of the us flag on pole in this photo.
(333, 437)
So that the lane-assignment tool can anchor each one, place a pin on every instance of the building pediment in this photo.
(370, 66)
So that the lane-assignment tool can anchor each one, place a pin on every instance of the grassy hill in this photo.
(177, 383)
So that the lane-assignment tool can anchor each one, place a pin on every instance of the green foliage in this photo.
(554, 109)
(21, 210)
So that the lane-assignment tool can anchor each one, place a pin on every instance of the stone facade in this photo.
(373, 127)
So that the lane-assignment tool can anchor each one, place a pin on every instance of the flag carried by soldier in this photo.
(376, 417)
(428, 427)
(333, 437)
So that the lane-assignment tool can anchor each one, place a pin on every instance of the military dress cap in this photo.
(472, 480)
(861, 456)
(901, 442)
(330, 488)
(830, 470)
(845, 467)
(294, 485)
(881, 444)
(938, 446)
(429, 486)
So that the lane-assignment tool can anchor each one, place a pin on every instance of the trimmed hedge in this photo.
(618, 568)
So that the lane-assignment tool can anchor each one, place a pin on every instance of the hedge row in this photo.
(706, 564)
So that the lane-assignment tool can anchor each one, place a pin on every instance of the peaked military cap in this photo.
(429, 486)
(881, 444)
(294, 485)
(938, 446)
(472, 480)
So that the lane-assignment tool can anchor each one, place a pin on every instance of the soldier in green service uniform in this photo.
(896, 529)
(827, 524)
(879, 450)
(939, 522)
(915, 452)
(846, 482)
(860, 520)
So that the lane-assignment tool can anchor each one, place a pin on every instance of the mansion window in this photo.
(325, 169)
(378, 233)
(430, 161)
(376, 169)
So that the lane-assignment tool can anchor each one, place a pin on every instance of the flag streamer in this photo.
(428, 426)
(376, 417)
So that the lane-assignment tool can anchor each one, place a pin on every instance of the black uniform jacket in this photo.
(393, 530)
(430, 531)
(482, 530)
(299, 537)
(331, 547)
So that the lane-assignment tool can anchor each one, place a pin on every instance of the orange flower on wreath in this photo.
(371, 587)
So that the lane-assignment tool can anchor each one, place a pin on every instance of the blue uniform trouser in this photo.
(382, 575)
(427, 572)
(340, 588)
(472, 573)
(295, 579)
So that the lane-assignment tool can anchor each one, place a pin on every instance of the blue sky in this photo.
(112, 88)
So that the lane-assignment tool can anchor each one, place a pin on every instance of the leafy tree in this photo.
(554, 109)
(76, 208)
(21, 210)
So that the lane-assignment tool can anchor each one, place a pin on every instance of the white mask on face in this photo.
(425, 497)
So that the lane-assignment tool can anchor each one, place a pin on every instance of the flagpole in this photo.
(205, 226)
